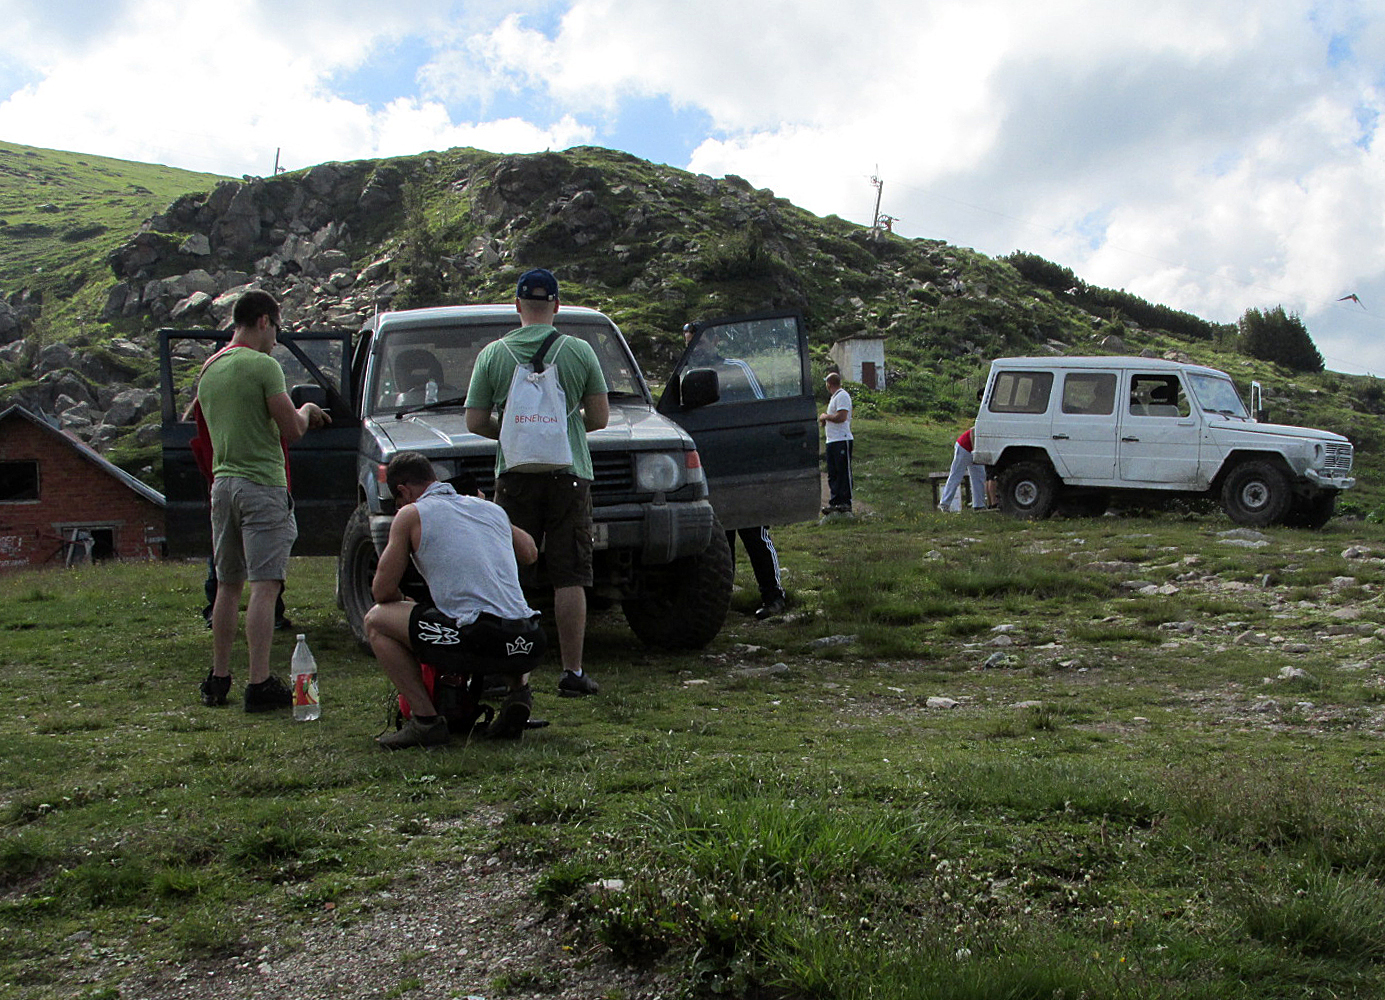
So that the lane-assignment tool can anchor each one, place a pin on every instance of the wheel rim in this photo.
(1026, 493)
(1255, 495)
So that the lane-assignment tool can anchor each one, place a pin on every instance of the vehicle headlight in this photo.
(658, 472)
(1319, 455)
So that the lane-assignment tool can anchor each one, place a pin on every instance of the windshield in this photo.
(419, 365)
(1217, 395)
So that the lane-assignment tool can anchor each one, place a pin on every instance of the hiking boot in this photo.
(268, 695)
(214, 690)
(770, 608)
(417, 734)
(572, 685)
(283, 624)
(514, 714)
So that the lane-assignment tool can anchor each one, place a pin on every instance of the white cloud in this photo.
(1210, 154)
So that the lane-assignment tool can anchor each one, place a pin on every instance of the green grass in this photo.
(64, 212)
(1109, 810)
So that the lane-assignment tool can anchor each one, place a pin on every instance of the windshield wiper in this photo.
(454, 401)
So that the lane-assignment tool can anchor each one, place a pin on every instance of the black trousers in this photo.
(764, 560)
(839, 473)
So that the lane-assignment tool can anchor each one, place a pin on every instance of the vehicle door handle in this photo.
(1060, 437)
(1130, 439)
(793, 432)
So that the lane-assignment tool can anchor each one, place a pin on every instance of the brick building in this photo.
(61, 502)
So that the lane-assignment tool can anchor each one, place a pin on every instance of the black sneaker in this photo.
(770, 609)
(267, 696)
(214, 690)
(514, 715)
(283, 624)
(572, 685)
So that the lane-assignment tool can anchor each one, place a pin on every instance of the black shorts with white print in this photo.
(492, 644)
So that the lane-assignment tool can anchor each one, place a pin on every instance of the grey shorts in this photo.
(253, 530)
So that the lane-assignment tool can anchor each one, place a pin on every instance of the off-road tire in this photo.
(683, 604)
(1312, 512)
(1028, 490)
(355, 571)
(1256, 494)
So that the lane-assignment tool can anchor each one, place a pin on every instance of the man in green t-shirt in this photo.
(554, 507)
(248, 412)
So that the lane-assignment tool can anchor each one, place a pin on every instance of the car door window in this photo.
(1158, 396)
(1021, 392)
(753, 359)
(1091, 393)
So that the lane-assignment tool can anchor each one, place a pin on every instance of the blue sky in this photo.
(1212, 155)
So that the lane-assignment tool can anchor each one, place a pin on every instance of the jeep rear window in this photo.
(1021, 392)
(1092, 393)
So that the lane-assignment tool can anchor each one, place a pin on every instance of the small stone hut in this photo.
(861, 359)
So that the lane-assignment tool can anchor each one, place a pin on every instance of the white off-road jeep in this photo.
(1064, 433)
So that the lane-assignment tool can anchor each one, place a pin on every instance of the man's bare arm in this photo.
(482, 421)
(395, 559)
(526, 549)
(596, 410)
(294, 423)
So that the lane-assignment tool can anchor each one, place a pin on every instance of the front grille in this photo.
(1339, 457)
(615, 474)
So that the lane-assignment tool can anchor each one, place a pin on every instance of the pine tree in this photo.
(1274, 335)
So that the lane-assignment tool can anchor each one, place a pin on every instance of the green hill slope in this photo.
(117, 250)
(63, 213)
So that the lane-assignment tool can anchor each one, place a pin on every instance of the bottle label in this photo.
(304, 689)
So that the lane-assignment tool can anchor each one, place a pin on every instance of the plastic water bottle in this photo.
(430, 392)
(304, 668)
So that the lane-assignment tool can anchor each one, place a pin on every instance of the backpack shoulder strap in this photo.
(537, 359)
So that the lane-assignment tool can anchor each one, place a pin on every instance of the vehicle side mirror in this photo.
(698, 387)
(301, 394)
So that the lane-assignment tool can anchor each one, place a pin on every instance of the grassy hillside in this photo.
(651, 245)
(64, 212)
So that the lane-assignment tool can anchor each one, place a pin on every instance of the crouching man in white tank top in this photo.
(469, 553)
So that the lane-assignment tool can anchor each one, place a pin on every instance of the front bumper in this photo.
(659, 531)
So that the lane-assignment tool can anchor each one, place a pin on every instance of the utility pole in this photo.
(879, 192)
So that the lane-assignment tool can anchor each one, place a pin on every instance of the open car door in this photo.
(756, 431)
(322, 465)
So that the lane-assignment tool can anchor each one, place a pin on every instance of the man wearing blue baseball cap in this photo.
(552, 505)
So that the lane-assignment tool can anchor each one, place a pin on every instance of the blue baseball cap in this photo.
(537, 284)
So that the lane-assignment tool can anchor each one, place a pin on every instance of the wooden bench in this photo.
(937, 481)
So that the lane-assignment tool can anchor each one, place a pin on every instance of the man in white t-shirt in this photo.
(836, 421)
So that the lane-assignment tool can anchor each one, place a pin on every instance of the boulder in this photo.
(118, 298)
(130, 405)
(194, 281)
(54, 357)
(194, 305)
